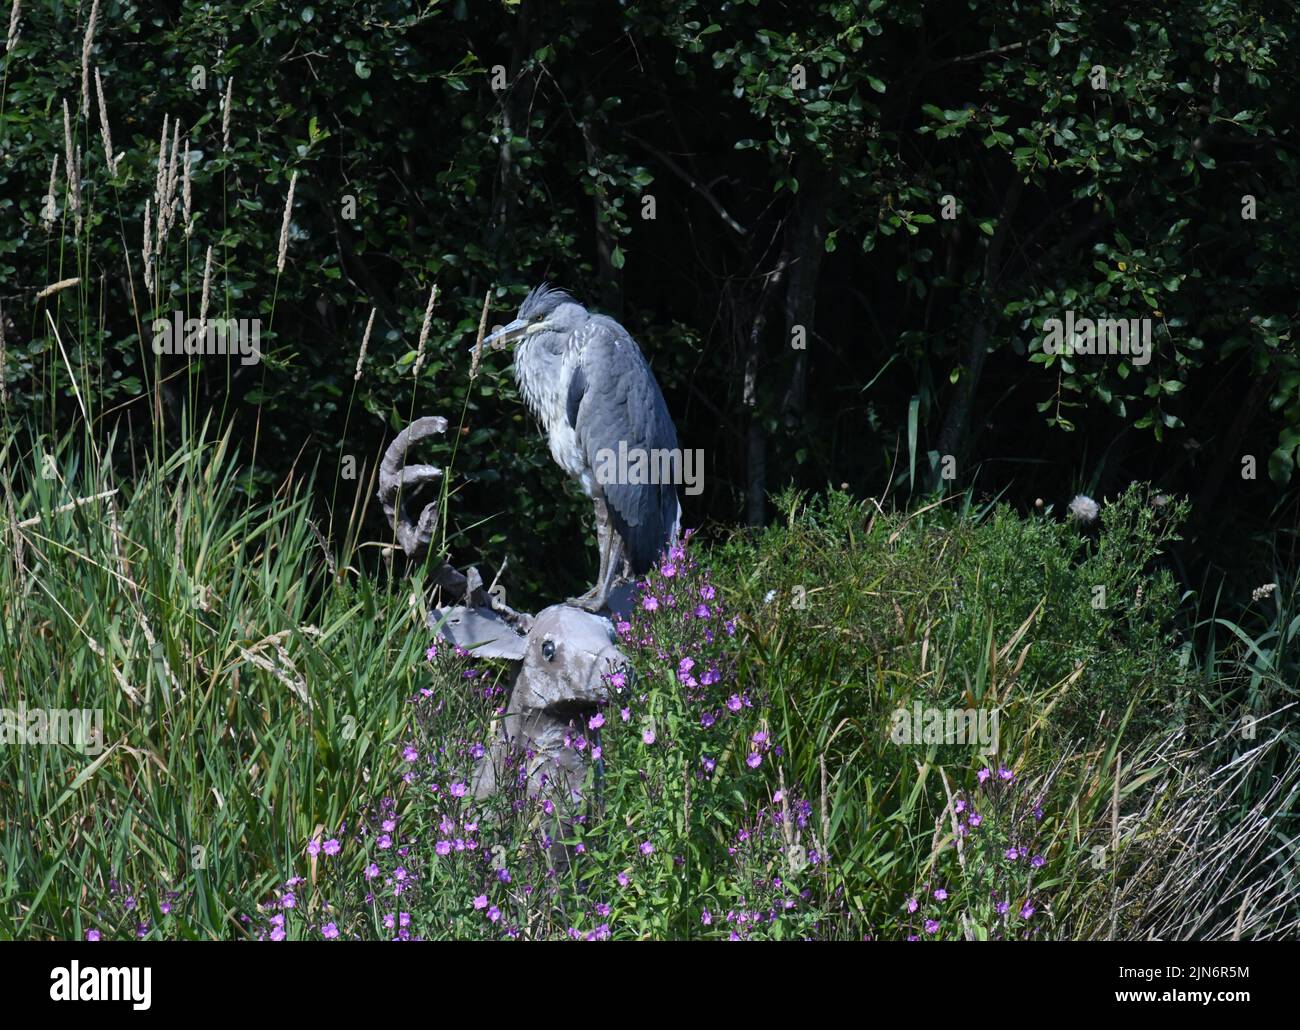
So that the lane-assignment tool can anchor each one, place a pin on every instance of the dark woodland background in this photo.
(779, 201)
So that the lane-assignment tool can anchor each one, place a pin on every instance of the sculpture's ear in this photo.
(481, 631)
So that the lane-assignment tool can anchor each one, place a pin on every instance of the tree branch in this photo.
(690, 180)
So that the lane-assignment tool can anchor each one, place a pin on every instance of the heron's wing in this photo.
(614, 399)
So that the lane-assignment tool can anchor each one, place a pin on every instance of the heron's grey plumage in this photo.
(613, 397)
(590, 386)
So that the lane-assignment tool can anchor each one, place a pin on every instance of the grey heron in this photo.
(586, 380)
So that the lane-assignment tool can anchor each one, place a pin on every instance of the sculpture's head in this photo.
(568, 653)
(563, 658)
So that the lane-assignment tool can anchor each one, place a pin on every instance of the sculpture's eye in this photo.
(548, 649)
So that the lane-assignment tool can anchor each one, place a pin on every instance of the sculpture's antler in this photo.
(399, 484)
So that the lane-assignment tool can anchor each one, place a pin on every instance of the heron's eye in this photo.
(548, 649)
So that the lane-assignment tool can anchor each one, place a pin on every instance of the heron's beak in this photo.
(505, 336)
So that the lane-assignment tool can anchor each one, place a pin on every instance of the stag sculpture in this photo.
(560, 658)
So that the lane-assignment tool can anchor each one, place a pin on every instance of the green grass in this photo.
(246, 694)
(852, 612)
(257, 688)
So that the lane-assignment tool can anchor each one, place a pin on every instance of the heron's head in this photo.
(545, 310)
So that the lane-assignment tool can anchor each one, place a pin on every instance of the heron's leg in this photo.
(604, 533)
(611, 563)
(604, 537)
(614, 568)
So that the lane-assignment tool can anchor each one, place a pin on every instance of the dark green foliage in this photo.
(820, 142)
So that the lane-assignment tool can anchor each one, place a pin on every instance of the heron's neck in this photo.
(537, 371)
